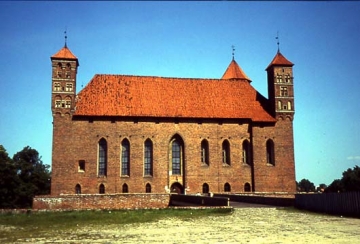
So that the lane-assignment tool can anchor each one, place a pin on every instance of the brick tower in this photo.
(63, 93)
(281, 87)
(64, 69)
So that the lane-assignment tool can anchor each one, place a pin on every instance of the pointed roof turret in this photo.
(279, 60)
(65, 53)
(235, 72)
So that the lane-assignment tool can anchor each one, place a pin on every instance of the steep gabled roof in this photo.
(234, 71)
(139, 96)
(279, 60)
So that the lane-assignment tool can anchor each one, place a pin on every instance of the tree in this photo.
(306, 185)
(8, 180)
(351, 179)
(34, 176)
(349, 182)
(335, 186)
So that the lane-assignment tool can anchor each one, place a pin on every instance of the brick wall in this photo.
(76, 139)
(101, 201)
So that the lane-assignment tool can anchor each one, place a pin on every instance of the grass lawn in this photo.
(35, 224)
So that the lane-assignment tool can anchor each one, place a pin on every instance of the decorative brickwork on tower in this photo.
(142, 134)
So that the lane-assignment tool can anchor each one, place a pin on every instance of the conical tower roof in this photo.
(280, 60)
(65, 53)
(235, 72)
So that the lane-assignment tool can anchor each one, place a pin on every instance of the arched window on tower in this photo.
(279, 105)
(246, 152)
(59, 70)
(226, 152)
(270, 155)
(279, 78)
(148, 158)
(287, 78)
(289, 105)
(205, 152)
(102, 160)
(125, 158)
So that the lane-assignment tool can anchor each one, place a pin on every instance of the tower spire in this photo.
(233, 51)
(278, 42)
(65, 37)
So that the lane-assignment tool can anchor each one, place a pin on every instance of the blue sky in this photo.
(191, 39)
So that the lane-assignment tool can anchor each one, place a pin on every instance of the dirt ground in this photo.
(244, 225)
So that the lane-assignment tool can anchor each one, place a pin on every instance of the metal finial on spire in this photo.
(65, 37)
(233, 51)
(278, 42)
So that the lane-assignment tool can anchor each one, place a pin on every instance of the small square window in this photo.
(81, 165)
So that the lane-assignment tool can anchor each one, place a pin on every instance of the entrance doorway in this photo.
(177, 188)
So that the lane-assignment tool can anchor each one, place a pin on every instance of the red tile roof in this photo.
(64, 53)
(279, 59)
(123, 95)
(235, 72)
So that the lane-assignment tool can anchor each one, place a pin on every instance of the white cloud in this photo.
(353, 158)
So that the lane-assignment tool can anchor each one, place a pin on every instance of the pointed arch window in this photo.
(77, 189)
(125, 188)
(246, 152)
(247, 187)
(148, 188)
(176, 157)
(226, 152)
(205, 188)
(270, 155)
(148, 158)
(102, 160)
(205, 152)
(102, 189)
(125, 158)
(227, 187)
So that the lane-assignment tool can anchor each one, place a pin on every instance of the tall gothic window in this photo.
(176, 157)
(226, 152)
(204, 152)
(148, 158)
(270, 155)
(125, 157)
(102, 161)
(246, 152)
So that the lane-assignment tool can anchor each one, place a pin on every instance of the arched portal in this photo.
(177, 188)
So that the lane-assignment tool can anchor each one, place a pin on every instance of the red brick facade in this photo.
(207, 135)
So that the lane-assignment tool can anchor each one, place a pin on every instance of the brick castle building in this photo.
(137, 134)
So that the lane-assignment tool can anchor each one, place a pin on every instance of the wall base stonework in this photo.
(101, 201)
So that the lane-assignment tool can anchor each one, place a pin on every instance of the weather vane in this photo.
(233, 51)
(278, 42)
